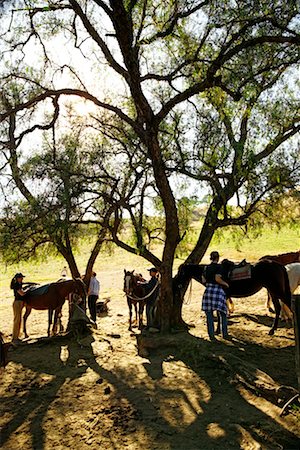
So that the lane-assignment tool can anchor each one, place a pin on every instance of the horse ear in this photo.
(132, 272)
(124, 271)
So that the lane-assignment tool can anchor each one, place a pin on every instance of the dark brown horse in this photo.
(135, 294)
(267, 274)
(52, 297)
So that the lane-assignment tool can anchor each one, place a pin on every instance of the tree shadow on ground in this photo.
(268, 321)
(41, 372)
(209, 410)
(228, 412)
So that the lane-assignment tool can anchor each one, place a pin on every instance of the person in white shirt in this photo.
(93, 295)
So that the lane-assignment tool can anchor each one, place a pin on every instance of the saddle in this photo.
(241, 271)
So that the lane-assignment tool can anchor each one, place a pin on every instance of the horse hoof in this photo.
(271, 332)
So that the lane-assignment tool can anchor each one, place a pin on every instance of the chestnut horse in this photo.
(51, 297)
(135, 296)
(267, 274)
(283, 258)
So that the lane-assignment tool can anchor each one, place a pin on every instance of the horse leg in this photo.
(277, 307)
(129, 302)
(136, 313)
(25, 317)
(230, 306)
(269, 304)
(61, 327)
(285, 314)
(50, 315)
(55, 321)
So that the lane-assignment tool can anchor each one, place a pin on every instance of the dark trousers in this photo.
(92, 299)
(150, 310)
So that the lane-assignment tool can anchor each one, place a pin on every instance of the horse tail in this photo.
(288, 295)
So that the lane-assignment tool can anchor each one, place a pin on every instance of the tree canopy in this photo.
(196, 93)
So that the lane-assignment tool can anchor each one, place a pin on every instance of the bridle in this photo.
(128, 283)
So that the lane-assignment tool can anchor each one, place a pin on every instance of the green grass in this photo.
(233, 245)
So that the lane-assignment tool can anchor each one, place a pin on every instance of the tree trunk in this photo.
(179, 286)
(165, 299)
(69, 257)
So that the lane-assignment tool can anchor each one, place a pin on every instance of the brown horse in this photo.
(267, 274)
(135, 294)
(283, 258)
(52, 297)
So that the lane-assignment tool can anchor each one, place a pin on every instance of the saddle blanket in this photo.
(241, 273)
(39, 290)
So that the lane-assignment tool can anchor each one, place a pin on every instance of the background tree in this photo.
(196, 81)
(58, 206)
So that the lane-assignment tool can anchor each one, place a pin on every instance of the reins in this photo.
(139, 299)
(189, 297)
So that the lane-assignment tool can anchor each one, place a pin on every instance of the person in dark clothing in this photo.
(151, 300)
(18, 304)
(214, 297)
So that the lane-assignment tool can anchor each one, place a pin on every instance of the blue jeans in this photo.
(210, 323)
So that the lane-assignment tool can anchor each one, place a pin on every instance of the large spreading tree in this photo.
(201, 93)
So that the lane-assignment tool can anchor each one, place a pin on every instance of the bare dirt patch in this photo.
(188, 393)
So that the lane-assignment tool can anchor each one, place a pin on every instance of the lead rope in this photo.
(187, 301)
(139, 299)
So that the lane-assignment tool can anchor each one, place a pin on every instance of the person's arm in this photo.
(220, 280)
(21, 292)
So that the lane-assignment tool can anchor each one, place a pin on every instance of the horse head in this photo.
(129, 281)
(186, 272)
(80, 288)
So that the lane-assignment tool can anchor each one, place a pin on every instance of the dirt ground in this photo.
(188, 393)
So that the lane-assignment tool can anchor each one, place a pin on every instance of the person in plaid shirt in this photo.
(214, 297)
